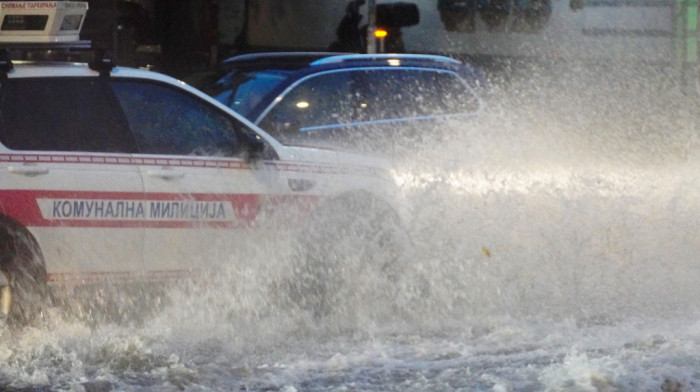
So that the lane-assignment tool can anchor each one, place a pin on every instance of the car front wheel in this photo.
(354, 251)
(23, 289)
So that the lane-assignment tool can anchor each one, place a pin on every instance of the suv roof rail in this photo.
(278, 55)
(101, 61)
(67, 45)
(282, 60)
(385, 56)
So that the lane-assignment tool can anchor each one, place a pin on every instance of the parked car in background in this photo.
(357, 102)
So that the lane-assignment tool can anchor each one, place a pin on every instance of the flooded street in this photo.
(555, 248)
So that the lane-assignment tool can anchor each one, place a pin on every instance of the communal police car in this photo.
(115, 174)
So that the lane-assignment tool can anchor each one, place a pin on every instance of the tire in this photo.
(24, 291)
(352, 251)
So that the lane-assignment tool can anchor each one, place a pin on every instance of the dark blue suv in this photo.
(357, 102)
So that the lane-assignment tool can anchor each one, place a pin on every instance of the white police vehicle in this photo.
(116, 174)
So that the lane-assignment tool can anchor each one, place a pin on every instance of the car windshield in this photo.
(243, 91)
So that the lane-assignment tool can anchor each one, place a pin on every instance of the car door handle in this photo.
(28, 170)
(166, 174)
(299, 185)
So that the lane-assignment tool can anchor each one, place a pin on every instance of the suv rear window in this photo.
(62, 114)
(401, 93)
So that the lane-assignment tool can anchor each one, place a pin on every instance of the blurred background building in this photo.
(182, 36)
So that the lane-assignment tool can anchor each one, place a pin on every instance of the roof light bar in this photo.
(41, 21)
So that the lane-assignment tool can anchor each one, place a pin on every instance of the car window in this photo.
(243, 91)
(62, 114)
(167, 121)
(318, 101)
(393, 93)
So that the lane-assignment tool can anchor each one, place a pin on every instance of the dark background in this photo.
(175, 37)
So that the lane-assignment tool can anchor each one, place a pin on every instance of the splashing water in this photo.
(554, 241)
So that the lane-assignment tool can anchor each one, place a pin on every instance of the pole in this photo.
(687, 43)
(371, 26)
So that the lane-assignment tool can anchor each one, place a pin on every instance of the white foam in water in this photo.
(557, 237)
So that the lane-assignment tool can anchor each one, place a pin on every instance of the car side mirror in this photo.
(253, 146)
(398, 14)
